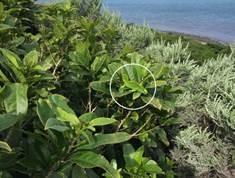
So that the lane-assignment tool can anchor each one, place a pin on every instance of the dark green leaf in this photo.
(100, 86)
(44, 111)
(128, 154)
(172, 121)
(162, 136)
(88, 159)
(87, 117)
(55, 124)
(8, 120)
(105, 139)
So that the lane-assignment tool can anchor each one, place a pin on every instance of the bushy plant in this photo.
(57, 117)
(208, 102)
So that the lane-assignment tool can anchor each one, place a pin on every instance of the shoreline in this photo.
(201, 48)
(198, 38)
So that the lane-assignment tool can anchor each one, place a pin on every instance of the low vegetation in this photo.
(57, 115)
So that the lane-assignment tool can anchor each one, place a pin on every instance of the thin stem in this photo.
(150, 130)
(141, 128)
(56, 67)
(123, 121)
(89, 98)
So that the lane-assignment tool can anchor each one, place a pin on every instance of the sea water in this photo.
(208, 18)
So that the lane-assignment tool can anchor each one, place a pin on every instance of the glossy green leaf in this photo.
(44, 111)
(101, 121)
(8, 120)
(31, 58)
(162, 136)
(117, 94)
(59, 105)
(81, 55)
(3, 77)
(113, 67)
(106, 139)
(136, 95)
(134, 116)
(15, 98)
(64, 116)
(87, 117)
(61, 102)
(135, 86)
(152, 167)
(98, 63)
(55, 124)
(18, 41)
(4, 27)
(12, 57)
(128, 154)
(133, 72)
(88, 159)
(138, 155)
(167, 105)
(44, 65)
(13, 67)
(101, 86)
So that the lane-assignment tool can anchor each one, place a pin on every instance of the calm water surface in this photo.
(209, 18)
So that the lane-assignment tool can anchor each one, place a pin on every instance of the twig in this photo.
(89, 98)
(147, 131)
(141, 128)
(123, 121)
(56, 67)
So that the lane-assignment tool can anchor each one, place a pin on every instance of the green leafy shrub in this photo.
(57, 117)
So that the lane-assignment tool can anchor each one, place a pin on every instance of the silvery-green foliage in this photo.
(139, 36)
(132, 35)
(89, 7)
(215, 81)
(222, 113)
(198, 148)
(209, 100)
(176, 55)
(209, 97)
(168, 52)
(112, 18)
(215, 76)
